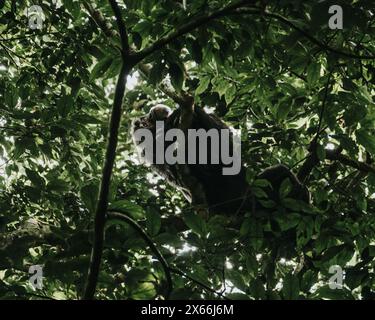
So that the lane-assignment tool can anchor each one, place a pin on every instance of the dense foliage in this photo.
(278, 72)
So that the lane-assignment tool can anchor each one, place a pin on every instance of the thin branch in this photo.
(6, 162)
(121, 26)
(6, 49)
(334, 155)
(201, 284)
(143, 68)
(304, 33)
(117, 215)
(322, 110)
(233, 8)
(9, 51)
(100, 20)
(190, 26)
(102, 204)
(312, 160)
(6, 128)
(27, 36)
(164, 87)
(237, 8)
(29, 294)
(299, 76)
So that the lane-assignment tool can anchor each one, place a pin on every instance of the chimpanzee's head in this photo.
(158, 112)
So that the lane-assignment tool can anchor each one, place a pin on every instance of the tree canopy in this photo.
(73, 75)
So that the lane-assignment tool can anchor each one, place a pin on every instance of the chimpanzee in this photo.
(205, 184)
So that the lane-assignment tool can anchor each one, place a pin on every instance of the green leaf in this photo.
(65, 105)
(230, 94)
(288, 221)
(156, 73)
(58, 185)
(177, 75)
(313, 73)
(349, 85)
(237, 296)
(259, 193)
(245, 227)
(308, 280)
(196, 52)
(134, 210)
(114, 69)
(361, 203)
(11, 97)
(354, 278)
(267, 203)
(35, 178)
(366, 140)
(89, 194)
(196, 223)
(321, 152)
(143, 28)
(220, 86)
(290, 287)
(283, 110)
(101, 67)
(75, 83)
(236, 278)
(285, 188)
(251, 264)
(262, 183)
(333, 294)
(257, 289)
(354, 114)
(19, 149)
(203, 85)
(153, 221)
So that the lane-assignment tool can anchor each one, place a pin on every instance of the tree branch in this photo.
(190, 26)
(201, 284)
(9, 55)
(304, 33)
(335, 155)
(238, 8)
(100, 20)
(102, 204)
(25, 294)
(164, 87)
(116, 215)
(32, 35)
(312, 160)
(121, 26)
(143, 68)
